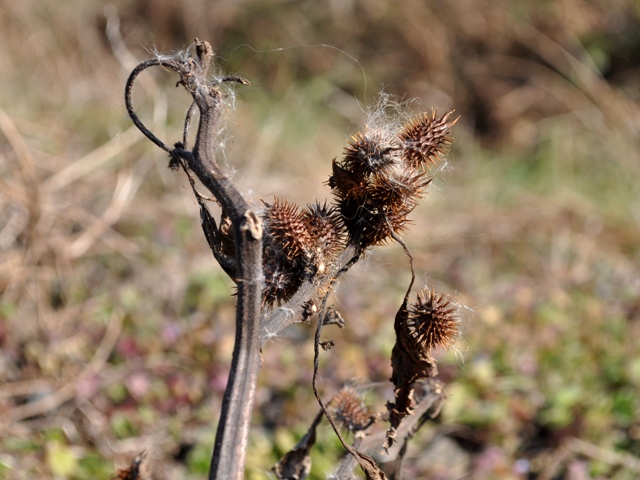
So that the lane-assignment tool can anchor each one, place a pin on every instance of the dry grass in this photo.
(116, 326)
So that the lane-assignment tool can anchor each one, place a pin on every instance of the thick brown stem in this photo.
(235, 418)
(230, 447)
(237, 404)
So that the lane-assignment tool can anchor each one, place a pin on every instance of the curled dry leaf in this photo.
(296, 464)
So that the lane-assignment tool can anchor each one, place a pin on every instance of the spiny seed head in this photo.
(399, 190)
(369, 152)
(425, 138)
(286, 227)
(432, 321)
(370, 225)
(383, 223)
(325, 234)
(380, 180)
(282, 278)
(376, 208)
(350, 411)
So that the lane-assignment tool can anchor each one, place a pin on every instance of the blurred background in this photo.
(116, 325)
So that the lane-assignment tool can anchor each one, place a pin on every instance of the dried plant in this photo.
(285, 262)
(421, 326)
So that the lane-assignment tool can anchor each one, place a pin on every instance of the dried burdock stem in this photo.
(216, 238)
(421, 420)
(233, 428)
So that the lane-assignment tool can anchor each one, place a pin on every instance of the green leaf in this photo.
(61, 460)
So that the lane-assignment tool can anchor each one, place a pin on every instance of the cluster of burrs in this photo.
(376, 185)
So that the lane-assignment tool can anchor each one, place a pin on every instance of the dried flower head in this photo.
(298, 244)
(382, 223)
(286, 227)
(369, 224)
(282, 278)
(380, 180)
(425, 138)
(399, 190)
(370, 152)
(324, 226)
(350, 411)
(411, 361)
(432, 321)
(371, 210)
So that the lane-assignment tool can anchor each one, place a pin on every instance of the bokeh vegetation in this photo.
(116, 326)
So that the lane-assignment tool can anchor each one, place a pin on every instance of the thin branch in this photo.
(407, 252)
(228, 263)
(427, 415)
(368, 465)
(154, 62)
